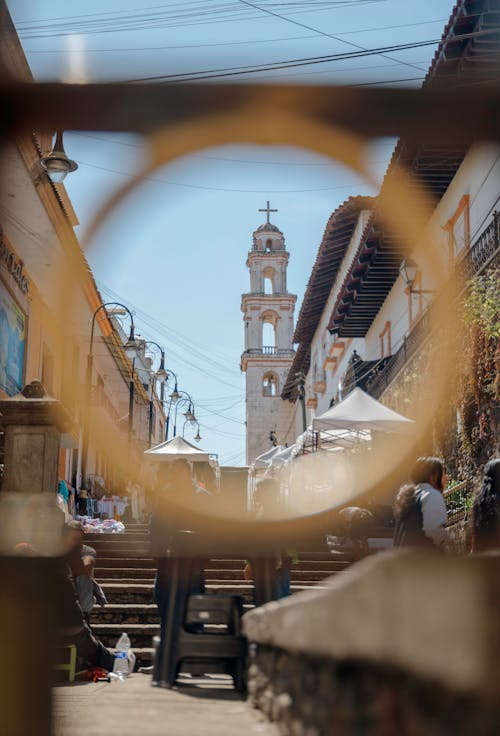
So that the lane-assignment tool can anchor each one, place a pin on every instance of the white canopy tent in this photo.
(283, 456)
(360, 412)
(177, 449)
(334, 439)
(263, 461)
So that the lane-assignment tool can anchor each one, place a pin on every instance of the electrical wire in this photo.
(195, 366)
(128, 21)
(238, 43)
(284, 64)
(317, 30)
(218, 189)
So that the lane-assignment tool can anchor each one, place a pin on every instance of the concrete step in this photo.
(126, 613)
(143, 655)
(123, 537)
(132, 613)
(128, 562)
(297, 572)
(121, 549)
(143, 592)
(129, 593)
(331, 564)
(137, 573)
(141, 635)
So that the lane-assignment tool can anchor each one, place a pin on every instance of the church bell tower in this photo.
(268, 311)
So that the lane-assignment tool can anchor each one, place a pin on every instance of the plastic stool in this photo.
(70, 666)
(199, 652)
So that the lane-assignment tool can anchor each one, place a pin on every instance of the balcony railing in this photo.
(485, 251)
(270, 350)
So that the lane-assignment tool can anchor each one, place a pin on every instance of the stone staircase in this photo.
(126, 573)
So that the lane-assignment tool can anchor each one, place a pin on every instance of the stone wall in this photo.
(314, 696)
(402, 644)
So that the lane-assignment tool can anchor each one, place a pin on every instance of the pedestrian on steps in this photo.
(419, 509)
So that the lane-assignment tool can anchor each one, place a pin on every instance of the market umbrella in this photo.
(177, 449)
(360, 411)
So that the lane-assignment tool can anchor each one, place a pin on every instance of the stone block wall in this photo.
(402, 644)
(315, 696)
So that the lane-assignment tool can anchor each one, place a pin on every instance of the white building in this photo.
(268, 311)
(361, 322)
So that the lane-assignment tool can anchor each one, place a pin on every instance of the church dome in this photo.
(268, 227)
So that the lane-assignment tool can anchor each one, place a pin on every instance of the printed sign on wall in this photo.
(12, 343)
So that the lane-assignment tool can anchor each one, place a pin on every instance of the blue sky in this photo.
(175, 251)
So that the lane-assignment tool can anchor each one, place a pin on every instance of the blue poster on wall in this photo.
(12, 343)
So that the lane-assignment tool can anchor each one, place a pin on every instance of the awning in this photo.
(360, 411)
(177, 449)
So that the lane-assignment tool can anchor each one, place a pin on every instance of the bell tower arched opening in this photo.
(269, 281)
(269, 325)
(270, 384)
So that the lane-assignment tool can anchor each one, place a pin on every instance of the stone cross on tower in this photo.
(267, 210)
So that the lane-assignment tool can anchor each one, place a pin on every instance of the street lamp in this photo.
(162, 375)
(184, 398)
(408, 271)
(173, 399)
(131, 343)
(57, 164)
(197, 436)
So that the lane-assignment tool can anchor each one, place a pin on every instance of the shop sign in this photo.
(13, 264)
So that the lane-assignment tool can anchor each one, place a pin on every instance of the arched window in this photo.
(269, 285)
(269, 322)
(270, 384)
(268, 335)
(269, 244)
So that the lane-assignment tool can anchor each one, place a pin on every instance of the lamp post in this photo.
(185, 398)
(197, 436)
(162, 375)
(173, 399)
(131, 343)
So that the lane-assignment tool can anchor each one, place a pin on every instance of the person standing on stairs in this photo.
(174, 481)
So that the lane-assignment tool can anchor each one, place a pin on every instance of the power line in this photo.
(238, 43)
(163, 330)
(317, 30)
(218, 189)
(284, 64)
(222, 13)
(227, 158)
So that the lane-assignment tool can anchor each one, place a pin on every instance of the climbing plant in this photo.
(479, 381)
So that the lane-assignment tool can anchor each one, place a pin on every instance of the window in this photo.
(269, 322)
(269, 244)
(268, 335)
(385, 340)
(458, 229)
(269, 285)
(270, 385)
